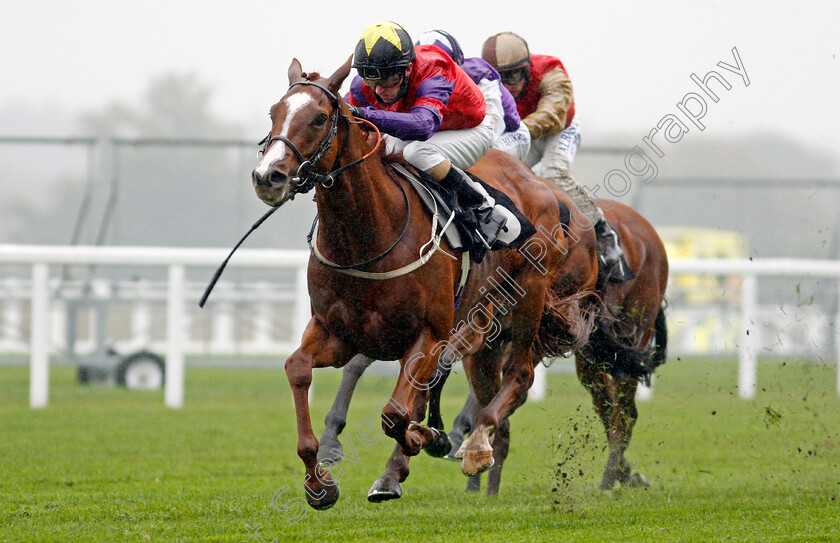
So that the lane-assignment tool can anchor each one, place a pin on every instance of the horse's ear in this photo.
(295, 71)
(340, 75)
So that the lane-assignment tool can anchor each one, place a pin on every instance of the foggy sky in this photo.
(630, 62)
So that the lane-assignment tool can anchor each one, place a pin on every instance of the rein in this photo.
(305, 177)
(304, 180)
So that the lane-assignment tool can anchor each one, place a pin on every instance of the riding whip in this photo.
(219, 271)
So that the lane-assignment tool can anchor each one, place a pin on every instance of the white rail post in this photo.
(141, 315)
(644, 393)
(303, 312)
(749, 324)
(11, 317)
(174, 388)
(837, 335)
(537, 391)
(39, 368)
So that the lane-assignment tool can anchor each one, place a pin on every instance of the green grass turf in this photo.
(104, 464)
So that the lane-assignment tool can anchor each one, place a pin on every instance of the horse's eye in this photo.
(320, 119)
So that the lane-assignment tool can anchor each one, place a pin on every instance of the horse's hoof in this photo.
(476, 462)
(384, 489)
(637, 480)
(459, 454)
(457, 440)
(328, 495)
(473, 483)
(440, 446)
(607, 483)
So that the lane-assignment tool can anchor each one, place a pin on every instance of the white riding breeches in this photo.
(462, 147)
(551, 157)
(516, 143)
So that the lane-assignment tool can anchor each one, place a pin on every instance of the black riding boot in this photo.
(457, 180)
(477, 212)
(611, 261)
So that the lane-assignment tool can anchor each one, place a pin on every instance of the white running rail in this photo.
(177, 260)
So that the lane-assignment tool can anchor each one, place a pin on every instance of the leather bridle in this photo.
(306, 176)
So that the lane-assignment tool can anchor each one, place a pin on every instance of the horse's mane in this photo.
(314, 76)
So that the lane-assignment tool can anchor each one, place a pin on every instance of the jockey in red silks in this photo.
(545, 100)
(512, 136)
(430, 110)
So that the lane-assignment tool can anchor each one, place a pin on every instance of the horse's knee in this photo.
(298, 371)
(394, 422)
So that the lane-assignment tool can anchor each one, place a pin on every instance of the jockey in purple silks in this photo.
(511, 137)
(431, 111)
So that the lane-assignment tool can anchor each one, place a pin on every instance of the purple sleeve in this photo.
(512, 119)
(421, 123)
(425, 117)
(478, 69)
(357, 94)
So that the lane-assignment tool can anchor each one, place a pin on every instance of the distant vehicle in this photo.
(688, 242)
(139, 370)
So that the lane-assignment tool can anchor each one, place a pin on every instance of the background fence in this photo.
(133, 193)
(46, 297)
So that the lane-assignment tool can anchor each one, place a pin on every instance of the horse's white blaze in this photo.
(294, 103)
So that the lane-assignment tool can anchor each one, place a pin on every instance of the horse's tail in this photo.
(566, 324)
(611, 346)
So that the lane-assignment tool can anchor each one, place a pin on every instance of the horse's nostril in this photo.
(258, 179)
(277, 179)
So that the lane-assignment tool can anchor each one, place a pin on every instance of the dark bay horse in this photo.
(372, 295)
(629, 344)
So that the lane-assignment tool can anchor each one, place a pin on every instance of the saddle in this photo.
(460, 232)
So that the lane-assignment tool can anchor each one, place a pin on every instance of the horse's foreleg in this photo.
(318, 349)
(330, 449)
(499, 401)
(483, 375)
(387, 486)
(416, 368)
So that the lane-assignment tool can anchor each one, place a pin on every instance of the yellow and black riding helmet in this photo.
(509, 54)
(384, 50)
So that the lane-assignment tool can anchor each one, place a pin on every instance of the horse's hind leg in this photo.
(501, 445)
(624, 418)
(600, 387)
(462, 425)
(441, 446)
(331, 449)
(403, 414)
(387, 486)
(615, 403)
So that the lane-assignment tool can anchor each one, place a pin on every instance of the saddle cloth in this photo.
(516, 231)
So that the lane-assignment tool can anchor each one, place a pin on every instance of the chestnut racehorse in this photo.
(371, 294)
(627, 344)
(609, 366)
